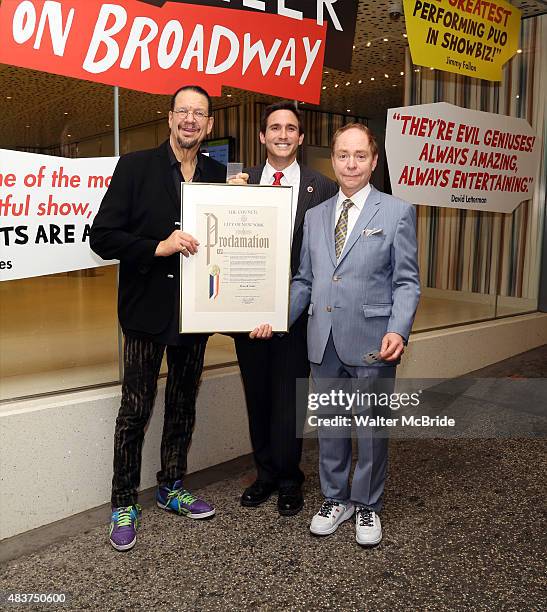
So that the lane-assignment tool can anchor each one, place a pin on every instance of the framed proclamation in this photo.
(240, 275)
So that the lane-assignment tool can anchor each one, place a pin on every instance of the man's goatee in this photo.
(187, 144)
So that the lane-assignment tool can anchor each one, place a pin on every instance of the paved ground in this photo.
(463, 530)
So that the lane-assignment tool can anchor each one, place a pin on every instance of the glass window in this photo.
(58, 331)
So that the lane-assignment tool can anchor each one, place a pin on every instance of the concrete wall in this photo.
(56, 452)
(451, 352)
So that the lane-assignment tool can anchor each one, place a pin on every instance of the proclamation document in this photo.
(240, 276)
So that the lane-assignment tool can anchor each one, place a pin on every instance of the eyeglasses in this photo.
(184, 112)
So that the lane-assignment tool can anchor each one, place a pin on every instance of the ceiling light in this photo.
(66, 113)
(368, 44)
(359, 81)
(354, 46)
(517, 96)
(386, 39)
(416, 70)
(372, 78)
(519, 50)
(404, 35)
(107, 125)
(326, 72)
(348, 83)
(228, 95)
(8, 97)
(432, 69)
(402, 73)
(69, 135)
(387, 76)
(336, 84)
(394, 85)
(324, 87)
(27, 126)
(158, 112)
(348, 110)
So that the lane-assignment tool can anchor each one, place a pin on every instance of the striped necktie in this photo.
(342, 227)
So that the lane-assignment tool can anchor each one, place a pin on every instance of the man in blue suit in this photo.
(359, 280)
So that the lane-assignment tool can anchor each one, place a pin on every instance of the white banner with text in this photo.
(47, 205)
(444, 155)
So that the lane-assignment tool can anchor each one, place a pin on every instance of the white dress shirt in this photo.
(354, 211)
(291, 177)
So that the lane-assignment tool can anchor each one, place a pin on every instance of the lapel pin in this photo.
(310, 188)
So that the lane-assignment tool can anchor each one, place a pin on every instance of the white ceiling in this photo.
(40, 110)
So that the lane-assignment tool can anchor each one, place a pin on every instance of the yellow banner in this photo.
(470, 37)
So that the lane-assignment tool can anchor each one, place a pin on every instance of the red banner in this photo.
(156, 50)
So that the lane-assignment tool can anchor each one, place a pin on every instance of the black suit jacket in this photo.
(314, 189)
(139, 209)
(271, 368)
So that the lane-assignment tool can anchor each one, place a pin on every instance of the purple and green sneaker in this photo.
(123, 526)
(181, 501)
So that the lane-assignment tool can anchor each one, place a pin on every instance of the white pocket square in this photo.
(376, 231)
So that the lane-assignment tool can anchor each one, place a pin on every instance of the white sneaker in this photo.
(330, 516)
(368, 529)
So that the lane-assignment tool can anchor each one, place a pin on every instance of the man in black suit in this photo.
(139, 223)
(270, 369)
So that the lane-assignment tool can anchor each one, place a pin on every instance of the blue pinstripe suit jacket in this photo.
(372, 289)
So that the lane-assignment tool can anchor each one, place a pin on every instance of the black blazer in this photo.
(314, 189)
(140, 209)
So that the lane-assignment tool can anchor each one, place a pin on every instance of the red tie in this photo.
(277, 178)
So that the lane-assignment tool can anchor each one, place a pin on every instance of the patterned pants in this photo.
(142, 362)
